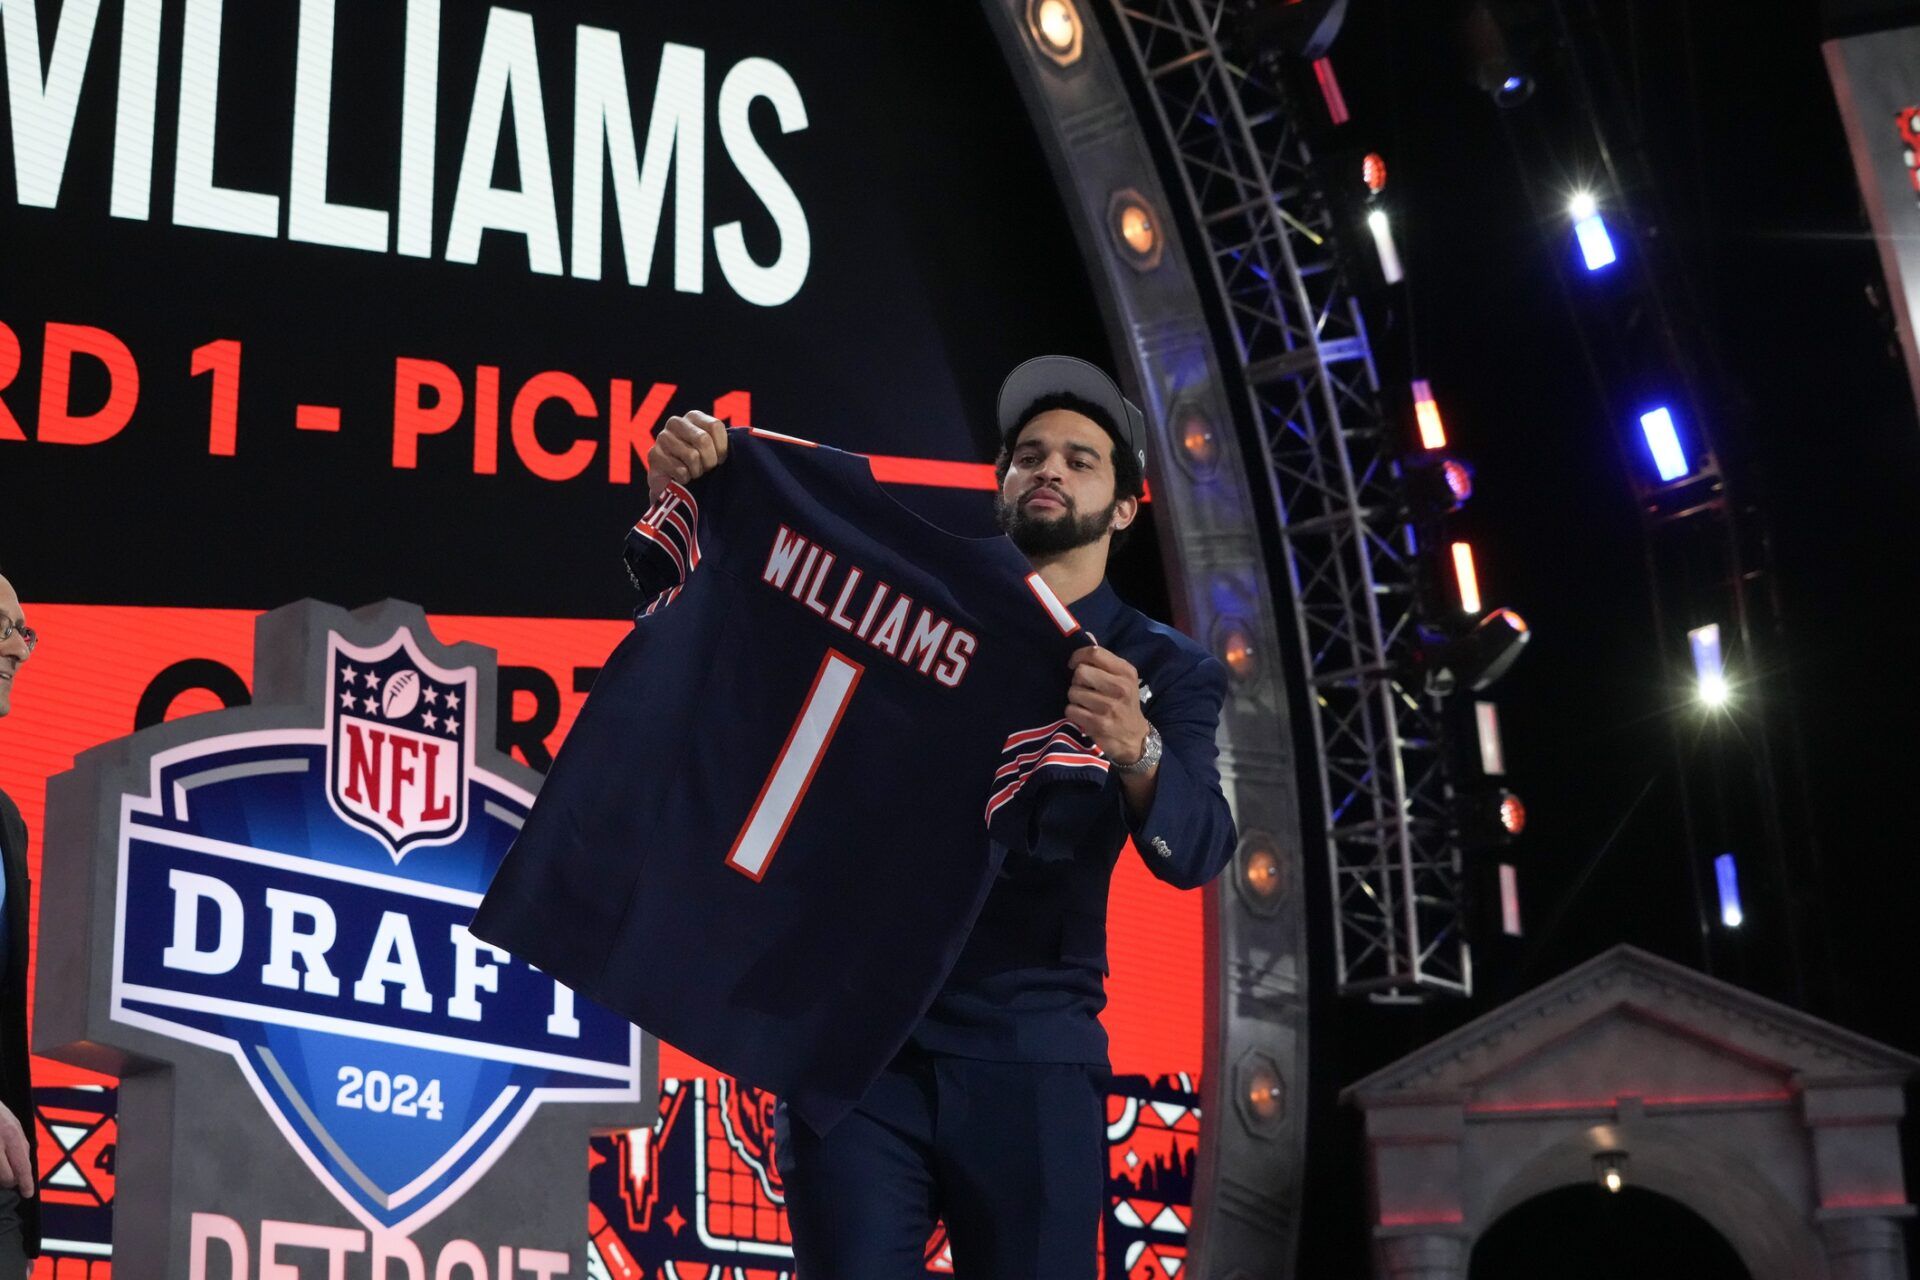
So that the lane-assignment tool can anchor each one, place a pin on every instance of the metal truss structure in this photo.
(1294, 327)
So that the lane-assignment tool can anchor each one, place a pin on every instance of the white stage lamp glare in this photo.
(1709, 668)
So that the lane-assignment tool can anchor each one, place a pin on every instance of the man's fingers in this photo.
(684, 462)
(664, 467)
(1121, 691)
(659, 475)
(707, 451)
(1094, 705)
(14, 1152)
(1101, 657)
(1089, 678)
(676, 448)
(686, 447)
(684, 431)
(662, 471)
(712, 431)
(697, 438)
(679, 431)
(16, 1167)
(1107, 682)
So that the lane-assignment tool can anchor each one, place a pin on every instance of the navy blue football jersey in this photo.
(768, 833)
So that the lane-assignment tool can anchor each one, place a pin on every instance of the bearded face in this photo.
(1046, 522)
(1058, 492)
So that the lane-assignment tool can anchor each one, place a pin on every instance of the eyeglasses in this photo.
(9, 628)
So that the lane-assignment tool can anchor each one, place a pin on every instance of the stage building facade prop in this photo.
(1779, 1130)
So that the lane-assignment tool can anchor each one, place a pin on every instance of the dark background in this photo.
(1757, 200)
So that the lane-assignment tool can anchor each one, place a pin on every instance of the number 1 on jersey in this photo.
(794, 767)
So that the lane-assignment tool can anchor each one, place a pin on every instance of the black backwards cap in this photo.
(1049, 375)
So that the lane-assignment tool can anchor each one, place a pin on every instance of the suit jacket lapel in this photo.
(13, 845)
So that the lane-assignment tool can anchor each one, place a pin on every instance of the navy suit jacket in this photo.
(16, 1085)
(1030, 982)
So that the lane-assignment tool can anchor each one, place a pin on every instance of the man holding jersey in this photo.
(993, 1116)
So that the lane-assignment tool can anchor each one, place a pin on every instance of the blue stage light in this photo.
(1590, 229)
(1513, 91)
(1728, 879)
(1596, 246)
(1663, 441)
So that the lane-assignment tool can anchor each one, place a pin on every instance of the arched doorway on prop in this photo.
(1584, 1232)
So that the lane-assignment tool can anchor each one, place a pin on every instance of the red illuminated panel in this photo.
(94, 662)
(76, 1156)
(1154, 1261)
(1330, 91)
(1155, 946)
(939, 1252)
(1151, 1151)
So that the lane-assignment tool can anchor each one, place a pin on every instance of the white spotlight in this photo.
(1383, 244)
(1708, 668)
(1582, 206)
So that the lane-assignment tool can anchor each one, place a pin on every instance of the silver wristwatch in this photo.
(1149, 756)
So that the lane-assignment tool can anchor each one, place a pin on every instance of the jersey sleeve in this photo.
(1038, 761)
(1032, 762)
(664, 547)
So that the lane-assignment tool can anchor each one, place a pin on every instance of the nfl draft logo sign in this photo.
(258, 917)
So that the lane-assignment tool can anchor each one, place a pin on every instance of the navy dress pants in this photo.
(1011, 1154)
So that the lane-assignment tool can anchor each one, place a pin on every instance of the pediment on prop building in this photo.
(1629, 1023)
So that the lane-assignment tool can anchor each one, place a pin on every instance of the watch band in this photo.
(1149, 755)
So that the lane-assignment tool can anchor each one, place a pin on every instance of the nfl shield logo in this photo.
(400, 732)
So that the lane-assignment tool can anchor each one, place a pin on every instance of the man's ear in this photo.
(1124, 513)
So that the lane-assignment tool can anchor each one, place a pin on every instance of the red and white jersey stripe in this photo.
(673, 522)
(1061, 748)
(672, 525)
(1062, 616)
